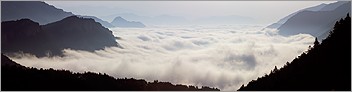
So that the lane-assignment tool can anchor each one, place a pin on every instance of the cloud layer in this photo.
(218, 56)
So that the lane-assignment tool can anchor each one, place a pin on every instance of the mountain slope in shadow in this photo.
(48, 40)
(16, 77)
(37, 11)
(325, 66)
(283, 20)
(315, 23)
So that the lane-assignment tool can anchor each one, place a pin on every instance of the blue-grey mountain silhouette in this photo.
(151, 20)
(121, 22)
(314, 8)
(316, 21)
(72, 32)
(102, 22)
(37, 11)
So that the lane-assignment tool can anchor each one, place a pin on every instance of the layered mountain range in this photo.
(37, 11)
(316, 21)
(102, 22)
(42, 30)
(44, 13)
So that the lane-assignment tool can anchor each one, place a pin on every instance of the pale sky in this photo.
(265, 11)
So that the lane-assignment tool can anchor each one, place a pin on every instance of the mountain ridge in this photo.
(121, 22)
(37, 11)
(102, 22)
(20, 78)
(321, 7)
(324, 66)
(314, 23)
(49, 40)
(316, 20)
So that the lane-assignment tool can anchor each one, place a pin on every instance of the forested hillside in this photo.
(16, 77)
(325, 66)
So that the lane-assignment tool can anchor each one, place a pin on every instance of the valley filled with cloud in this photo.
(223, 56)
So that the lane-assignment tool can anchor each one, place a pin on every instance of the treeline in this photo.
(325, 66)
(15, 77)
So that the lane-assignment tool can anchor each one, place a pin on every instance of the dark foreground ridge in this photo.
(325, 66)
(16, 77)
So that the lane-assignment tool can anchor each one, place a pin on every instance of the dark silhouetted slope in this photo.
(70, 33)
(19, 78)
(325, 66)
(37, 11)
(7, 62)
(120, 22)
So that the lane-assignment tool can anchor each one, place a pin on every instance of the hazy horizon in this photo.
(261, 12)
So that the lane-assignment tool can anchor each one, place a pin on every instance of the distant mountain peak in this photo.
(121, 22)
(119, 18)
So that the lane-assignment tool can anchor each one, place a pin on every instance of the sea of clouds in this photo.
(225, 56)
